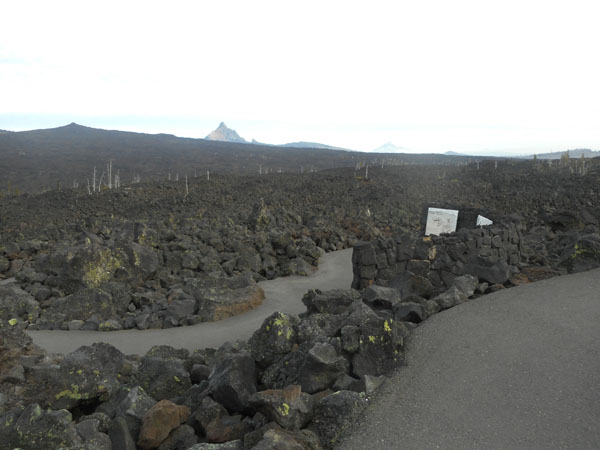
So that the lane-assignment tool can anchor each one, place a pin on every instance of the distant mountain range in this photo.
(575, 153)
(66, 156)
(225, 134)
(303, 144)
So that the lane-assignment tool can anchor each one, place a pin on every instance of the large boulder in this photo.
(583, 255)
(226, 428)
(86, 303)
(163, 378)
(232, 382)
(120, 436)
(159, 421)
(409, 312)
(449, 298)
(129, 403)
(379, 347)
(142, 260)
(14, 343)
(91, 266)
(33, 428)
(335, 301)
(490, 270)
(336, 414)
(410, 284)
(274, 339)
(314, 367)
(220, 298)
(182, 437)
(316, 327)
(207, 412)
(90, 432)
(380, 297)
(86, 375)
(260, 218)
(17, 304)
(466, 284)
(289, 407)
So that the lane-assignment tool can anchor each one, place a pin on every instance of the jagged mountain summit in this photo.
(226, 134)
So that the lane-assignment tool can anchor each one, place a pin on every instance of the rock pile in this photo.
(136, 276)
(299, 382)
(430, 265)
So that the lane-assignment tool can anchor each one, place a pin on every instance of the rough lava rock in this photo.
(232, 382)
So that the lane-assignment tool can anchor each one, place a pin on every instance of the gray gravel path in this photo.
(517, 370)
(282, 294)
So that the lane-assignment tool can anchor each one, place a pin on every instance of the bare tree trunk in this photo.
(109, 171)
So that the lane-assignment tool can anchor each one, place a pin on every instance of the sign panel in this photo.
(483, 221)
(441, 221)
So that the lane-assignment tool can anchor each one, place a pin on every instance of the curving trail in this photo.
(282, 294)
(518, 369)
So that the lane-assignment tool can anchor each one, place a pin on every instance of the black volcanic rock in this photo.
(223, 133)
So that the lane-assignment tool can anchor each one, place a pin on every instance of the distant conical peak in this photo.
(223, 133)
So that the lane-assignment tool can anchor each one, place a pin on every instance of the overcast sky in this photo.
(469, 76)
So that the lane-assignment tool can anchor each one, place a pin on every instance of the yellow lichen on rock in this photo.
(74, 393)
(386, 327)
(101, 270)
(284, 409)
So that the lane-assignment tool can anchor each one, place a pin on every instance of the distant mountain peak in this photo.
(224, 133)
(72, 128)
(389, 147)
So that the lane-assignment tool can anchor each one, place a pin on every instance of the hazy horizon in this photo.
(185, 128)
(510, 78)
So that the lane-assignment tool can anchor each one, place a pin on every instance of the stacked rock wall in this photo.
(492, 254)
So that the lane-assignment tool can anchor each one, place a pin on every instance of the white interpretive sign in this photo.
(483, 221)
(441, 221)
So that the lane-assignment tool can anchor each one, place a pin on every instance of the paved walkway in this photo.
(282, 294)
(515, 370)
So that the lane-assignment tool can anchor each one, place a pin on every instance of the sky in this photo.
(480, 77)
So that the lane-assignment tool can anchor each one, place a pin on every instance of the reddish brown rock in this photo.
(226, 428)
(159, 421)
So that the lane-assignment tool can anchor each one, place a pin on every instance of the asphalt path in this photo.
(282, 294)
(517, 370)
